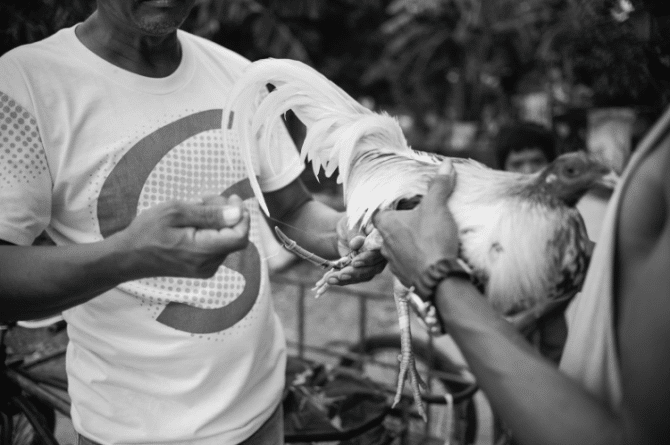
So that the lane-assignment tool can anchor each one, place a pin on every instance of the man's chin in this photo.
(161, 21)
(159, 28)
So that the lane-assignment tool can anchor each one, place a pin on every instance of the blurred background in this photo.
(453, 71)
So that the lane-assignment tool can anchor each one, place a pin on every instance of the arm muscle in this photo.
(310, 223)
(643, 264)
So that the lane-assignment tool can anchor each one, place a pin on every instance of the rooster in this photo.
(520, 234)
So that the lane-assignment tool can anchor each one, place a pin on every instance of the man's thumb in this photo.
(210, 216)
(442, 184)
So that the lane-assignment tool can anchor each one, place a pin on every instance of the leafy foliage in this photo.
(247, 26)
(449, 58)
(32, 20)
(607, 56)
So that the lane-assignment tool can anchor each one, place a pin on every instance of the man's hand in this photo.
(367, 260)
(414, 239)
(186, 239)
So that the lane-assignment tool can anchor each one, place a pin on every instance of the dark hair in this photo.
(522, 136)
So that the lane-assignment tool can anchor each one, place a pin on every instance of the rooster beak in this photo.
(609, 180)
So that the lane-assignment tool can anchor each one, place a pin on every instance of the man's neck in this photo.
(150, 56)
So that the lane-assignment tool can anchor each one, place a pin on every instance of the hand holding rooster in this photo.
(414, 239)
(360, 262)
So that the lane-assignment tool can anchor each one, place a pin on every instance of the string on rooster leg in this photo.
(313, 258)
(287, 243)
(302, 253)
(332, 266)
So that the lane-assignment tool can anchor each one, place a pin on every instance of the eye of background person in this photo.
(526, 161)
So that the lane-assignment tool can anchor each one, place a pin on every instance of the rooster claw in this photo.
(344, 261)
(322, 285)
(334, 266)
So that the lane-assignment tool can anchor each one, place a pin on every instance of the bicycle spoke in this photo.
(36, 419)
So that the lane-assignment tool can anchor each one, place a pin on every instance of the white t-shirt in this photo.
(84, 147)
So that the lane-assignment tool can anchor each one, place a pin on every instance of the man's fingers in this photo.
(367, 258)
(231, 215)
(388, 222)
(206, 216)
(242, 225)
(350, 275)
(356, 242)
(380, 219)
(227, 239)
(213, 199)
(235, 200)
(441, 186)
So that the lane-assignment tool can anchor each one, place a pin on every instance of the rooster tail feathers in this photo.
(338, 127)
(236, 122)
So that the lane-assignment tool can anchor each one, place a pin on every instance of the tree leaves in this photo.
(447, 56)
(32, 20)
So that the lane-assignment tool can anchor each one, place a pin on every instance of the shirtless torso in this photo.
(643, 297)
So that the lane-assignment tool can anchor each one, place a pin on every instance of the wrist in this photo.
(436, 272)
(454, 282)
(125, 257)
(427, 285)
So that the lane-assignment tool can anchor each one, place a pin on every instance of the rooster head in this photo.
(571, 175)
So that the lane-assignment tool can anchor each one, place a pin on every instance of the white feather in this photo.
(336, 123)
(506, 238)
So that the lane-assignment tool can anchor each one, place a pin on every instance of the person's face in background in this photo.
(527, 160)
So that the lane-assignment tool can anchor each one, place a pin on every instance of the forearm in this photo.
(39, 281)
(537, 401)
(313, 226)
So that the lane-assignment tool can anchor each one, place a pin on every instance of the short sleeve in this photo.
(25, 180)
(282, 165)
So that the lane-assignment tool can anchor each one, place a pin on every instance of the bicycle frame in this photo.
(20, 386)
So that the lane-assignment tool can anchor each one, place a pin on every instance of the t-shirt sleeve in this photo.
(25, 180)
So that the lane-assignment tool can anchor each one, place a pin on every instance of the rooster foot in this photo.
(305, 254)
(408, 368)
(406, 358)
(333, 265)
(322, 285)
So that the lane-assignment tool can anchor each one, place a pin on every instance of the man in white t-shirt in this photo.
(110, 141)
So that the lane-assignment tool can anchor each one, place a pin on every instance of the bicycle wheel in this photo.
(380, 363)
(23, 433)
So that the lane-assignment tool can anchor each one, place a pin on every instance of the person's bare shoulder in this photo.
(643, 304)
(644, 209)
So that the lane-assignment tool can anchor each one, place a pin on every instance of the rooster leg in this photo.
(313, 258)
(407, 362)
(333, 265)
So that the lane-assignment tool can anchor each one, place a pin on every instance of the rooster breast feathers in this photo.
(522, 247)
(520, 244)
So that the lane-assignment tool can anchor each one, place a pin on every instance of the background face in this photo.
(528, 160)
